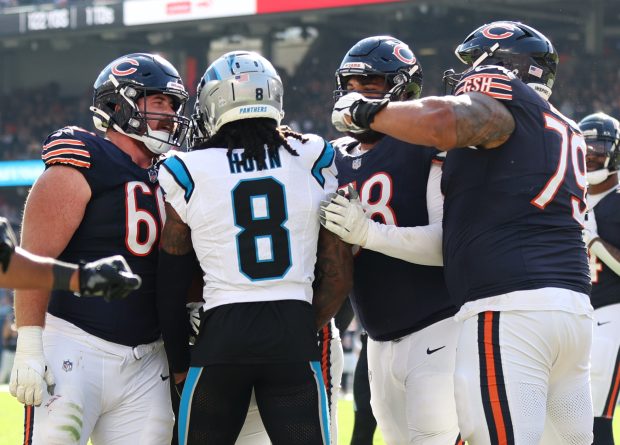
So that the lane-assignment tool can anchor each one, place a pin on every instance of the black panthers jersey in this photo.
(123, 216)
(513, 215)
(393, 298)
(605, 282)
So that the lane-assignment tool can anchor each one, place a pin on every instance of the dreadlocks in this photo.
(253, 135)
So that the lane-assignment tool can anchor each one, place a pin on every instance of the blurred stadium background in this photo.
(52, 50)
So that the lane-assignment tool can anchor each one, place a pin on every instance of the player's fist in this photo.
(8, 241)
(110, 278)
(354, 113)
(30, 373)
(345, 217)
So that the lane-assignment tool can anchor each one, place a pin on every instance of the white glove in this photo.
(345, 217)
(30, 371)
(193, 311)
(341, 115)
(590, 230)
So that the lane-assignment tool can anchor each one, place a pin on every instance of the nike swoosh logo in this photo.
(164, 377)
(430, 351)
(601, 323)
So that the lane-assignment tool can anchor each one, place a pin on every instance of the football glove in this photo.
(8, 241)
(345, 217)
(194, 312)
(354, 113)
(590, 229)
(110, 278)
(30, 372)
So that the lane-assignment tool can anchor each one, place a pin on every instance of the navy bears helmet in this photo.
(514, 46)
(123, 82)
(602, 135)
(383, 56)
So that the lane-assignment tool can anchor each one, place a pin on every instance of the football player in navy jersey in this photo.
(103, 364)
(514, 184)
(602, 236)
(108, 278)
(404, 307)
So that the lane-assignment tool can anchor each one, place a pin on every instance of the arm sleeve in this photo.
(598, 248)
(434, 197)
(419, 245)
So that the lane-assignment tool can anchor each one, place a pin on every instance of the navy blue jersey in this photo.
(513, 215)
(605, 282)
(122, 217)
(393, 298)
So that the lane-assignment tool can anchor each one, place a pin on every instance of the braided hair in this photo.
(253, 135)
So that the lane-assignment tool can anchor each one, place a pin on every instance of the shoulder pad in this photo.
(68, 146)
(494, 81)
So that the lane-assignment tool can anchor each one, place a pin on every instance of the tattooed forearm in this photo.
(176, 235)
(482, 121)
(333, 276)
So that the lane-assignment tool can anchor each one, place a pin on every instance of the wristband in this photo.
(62, 273)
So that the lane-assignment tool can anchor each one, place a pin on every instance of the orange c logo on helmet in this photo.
(403, 53)
(507, 29)
(124, 72)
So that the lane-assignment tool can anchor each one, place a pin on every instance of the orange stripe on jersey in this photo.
(28, 422)
(68, 161)
(66, 151)
(612, 398)
(499, 96)
(56, 142)
(459, 441)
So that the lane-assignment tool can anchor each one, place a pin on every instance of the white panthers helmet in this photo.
(238, 85)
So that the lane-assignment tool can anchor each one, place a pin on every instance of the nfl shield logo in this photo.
(67, 365)
(357, 163)
(153, 175)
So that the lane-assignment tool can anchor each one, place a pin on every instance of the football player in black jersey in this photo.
(403, 305)
(602, 236)
(103, 364)
(108, 278)
(514, 184)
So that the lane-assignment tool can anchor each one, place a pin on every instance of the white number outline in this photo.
(134, 216)
(577, 151)
(381, 206)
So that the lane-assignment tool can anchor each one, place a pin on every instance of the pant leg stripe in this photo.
(323, 412)
(28, 424)
(612, 398)
(493, 389)
(185, 407)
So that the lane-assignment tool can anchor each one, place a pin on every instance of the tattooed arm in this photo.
(333, 276)
(174, 278)
(471, 119)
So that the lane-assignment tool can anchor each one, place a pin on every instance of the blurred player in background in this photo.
(404, 307)
(514, 189)
(99, 196)
(109, 278)
(247, 201)
(602, 236)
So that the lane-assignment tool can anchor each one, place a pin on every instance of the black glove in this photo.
(363, 111)
(8, 241)
(110, 278)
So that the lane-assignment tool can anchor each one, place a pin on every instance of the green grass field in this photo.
(12, 422)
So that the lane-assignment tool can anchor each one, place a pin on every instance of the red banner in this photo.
(269, 6)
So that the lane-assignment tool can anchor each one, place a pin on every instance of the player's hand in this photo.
(30, 373)
(194, 312)
(354, 113)
(110, 278)
(345, 217)
(8, 241)
(590, 230)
